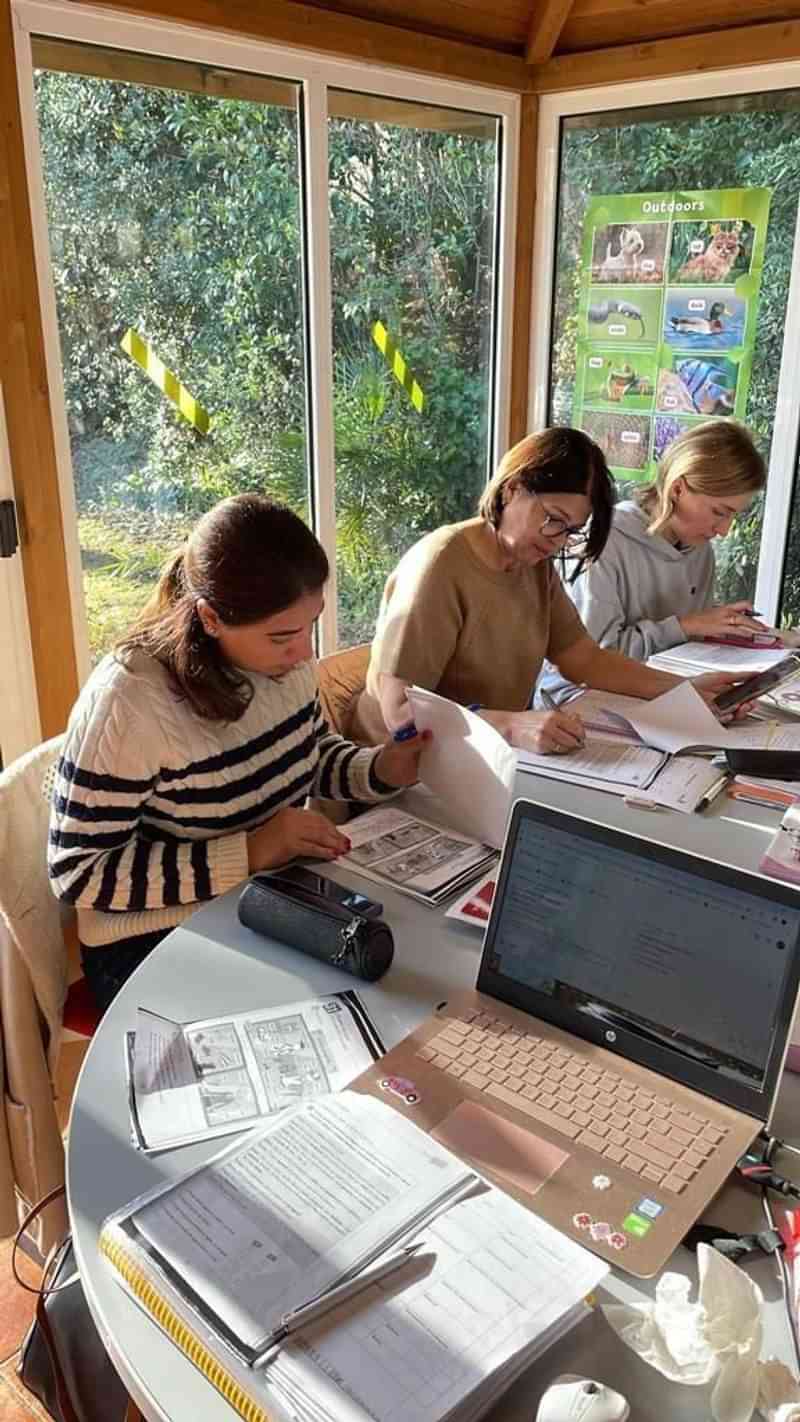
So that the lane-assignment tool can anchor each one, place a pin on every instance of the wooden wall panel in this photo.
(24, 377)
(523, 266)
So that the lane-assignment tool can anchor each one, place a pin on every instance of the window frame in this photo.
(723, 84)
(315, 74)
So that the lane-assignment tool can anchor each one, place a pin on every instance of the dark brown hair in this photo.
(556, 461)
(249, 558)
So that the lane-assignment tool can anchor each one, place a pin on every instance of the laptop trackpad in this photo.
(491, 1143)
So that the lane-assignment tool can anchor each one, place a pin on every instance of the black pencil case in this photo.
(324, 929)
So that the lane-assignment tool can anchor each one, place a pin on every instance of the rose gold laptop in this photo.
(626, 1038)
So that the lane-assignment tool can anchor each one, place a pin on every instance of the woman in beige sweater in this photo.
(472, 609)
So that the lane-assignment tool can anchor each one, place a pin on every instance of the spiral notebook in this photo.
(218, 1257)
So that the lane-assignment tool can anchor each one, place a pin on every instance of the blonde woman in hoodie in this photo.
(652, 586)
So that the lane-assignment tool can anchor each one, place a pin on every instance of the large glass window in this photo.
(173, 209)
(413, 203)
(675, 313)
(175, 196)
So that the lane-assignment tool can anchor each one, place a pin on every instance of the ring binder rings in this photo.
(170, 1322)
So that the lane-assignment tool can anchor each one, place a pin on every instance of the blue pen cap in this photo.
(406, 733)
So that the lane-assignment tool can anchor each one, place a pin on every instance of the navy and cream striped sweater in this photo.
(152, 804)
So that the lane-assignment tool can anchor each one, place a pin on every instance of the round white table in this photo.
(213, 965)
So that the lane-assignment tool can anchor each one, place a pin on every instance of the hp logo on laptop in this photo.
(611, 1036)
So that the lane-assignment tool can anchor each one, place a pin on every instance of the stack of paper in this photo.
(297, 1208)
(693, 658)
(413, 855)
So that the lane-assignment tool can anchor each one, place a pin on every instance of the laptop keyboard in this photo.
(613, 1115)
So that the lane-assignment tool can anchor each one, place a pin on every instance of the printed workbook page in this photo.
(614, 763)
(280, 1216)
(497, 1282)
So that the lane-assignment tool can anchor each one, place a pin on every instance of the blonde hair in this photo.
(717, 458)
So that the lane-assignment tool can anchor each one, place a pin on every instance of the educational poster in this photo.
(666, 317)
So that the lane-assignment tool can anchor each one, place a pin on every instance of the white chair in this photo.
(33, 981)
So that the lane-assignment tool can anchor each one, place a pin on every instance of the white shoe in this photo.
(574, 1399)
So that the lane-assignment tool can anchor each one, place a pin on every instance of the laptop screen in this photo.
(688, 967)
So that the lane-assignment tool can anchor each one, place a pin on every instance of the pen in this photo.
(406, 733)
(713, 793)
(309, 1312)
(550, 705)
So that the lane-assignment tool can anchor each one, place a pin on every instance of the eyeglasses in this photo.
(575, 536)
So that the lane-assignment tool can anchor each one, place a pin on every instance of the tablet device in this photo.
(754, 686)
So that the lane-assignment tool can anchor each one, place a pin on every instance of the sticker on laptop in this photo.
(600, 1230)
(649, 1208)
(601, 1182)
(636, 1225)
(582, 1220)
(402, 1087)
(617, 1240)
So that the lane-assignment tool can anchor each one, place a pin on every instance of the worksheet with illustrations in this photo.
(197, 1080)
(413, 855)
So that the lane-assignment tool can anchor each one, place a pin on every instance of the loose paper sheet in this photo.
(680, 720)
(468, 765)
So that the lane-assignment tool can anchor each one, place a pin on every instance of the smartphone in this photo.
(314, 883)
(755, 686)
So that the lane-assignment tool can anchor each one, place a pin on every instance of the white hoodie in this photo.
(632, 598)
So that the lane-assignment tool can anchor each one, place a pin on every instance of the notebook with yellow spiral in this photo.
(219, 1257)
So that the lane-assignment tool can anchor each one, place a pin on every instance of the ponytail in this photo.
(248, 558)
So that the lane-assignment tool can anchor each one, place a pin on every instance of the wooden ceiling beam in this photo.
(547, 22)
(294, 23)
(658, 59)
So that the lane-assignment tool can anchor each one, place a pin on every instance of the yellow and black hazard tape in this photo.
(167, 381)
(397, 365)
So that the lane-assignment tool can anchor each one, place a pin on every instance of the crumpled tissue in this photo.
(717, 1338)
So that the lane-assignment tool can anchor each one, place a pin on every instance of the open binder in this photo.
(218, 1257)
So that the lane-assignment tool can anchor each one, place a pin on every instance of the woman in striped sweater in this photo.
(192, 748)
